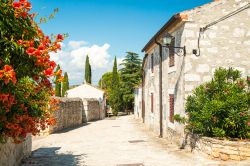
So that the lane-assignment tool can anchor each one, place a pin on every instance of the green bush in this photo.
(220, 108)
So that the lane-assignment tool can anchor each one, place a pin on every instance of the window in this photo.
(171, 53)
(152, 63)
(171, 108)
(152, 102)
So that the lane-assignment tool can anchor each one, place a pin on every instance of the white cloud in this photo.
(119, 61)
(72, 60)
(76, 44)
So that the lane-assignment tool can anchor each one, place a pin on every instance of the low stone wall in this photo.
(93, 110)
(223, 149)
(12, 154)
(70, 114)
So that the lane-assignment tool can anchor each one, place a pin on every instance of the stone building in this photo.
(215, 35)
(94, 101)
(138, 103)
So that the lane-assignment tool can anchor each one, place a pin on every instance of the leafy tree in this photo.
(105, 81)
(65, 85)
(115, 95)
(88, 73)
(130, 77)
(58, 88)
(220, 108)
(26, 72)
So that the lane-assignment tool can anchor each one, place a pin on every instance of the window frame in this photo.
(171, 108)
(171, 52)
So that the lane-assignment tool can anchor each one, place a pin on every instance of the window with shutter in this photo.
(171, 53)
(152, 102)
(171, 108)
(152, 63)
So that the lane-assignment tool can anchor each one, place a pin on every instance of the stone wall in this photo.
(12, 154)
(224, 150)
(93, 109)
(225, 44)
(70, 114)
(138, 103)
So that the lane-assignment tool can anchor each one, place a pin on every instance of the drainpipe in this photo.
(143, 100)
(160, 86)
(143, 90)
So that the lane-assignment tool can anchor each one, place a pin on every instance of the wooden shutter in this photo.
(152, 63)
(171, 108)
(152, 102)
(171, 53)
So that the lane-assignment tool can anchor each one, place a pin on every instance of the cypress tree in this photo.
(115, 78)
(65, 85)
(88, 74)
(58, 84)
(115, 96)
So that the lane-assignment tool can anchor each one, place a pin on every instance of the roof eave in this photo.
(172, 20)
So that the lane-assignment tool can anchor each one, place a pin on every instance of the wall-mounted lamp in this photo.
(167, 40)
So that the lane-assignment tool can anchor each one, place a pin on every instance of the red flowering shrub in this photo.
(26, 72)
(221, 107)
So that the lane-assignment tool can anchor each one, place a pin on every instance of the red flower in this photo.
(16, 5)
(59, 37)
(8, 74)
(20, 42)
(7, 68)
(27, 5)
(48, 72)
(24, 14)
(4, 97)
(22, 1)
(41, 48)
(37, 53)
(52, 64)
(47, 82)
(30, 50)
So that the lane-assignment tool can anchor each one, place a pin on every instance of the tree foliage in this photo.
(106, 81)
(220, 108)
(88, 71)
(26, 72)
(65, 84)
(58, 84)
(115, 95)
(130, 77)
(120, 85)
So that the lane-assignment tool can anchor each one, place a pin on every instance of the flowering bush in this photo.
(220, 108)
(26, 72)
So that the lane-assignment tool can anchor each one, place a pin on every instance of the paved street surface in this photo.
(113, 142)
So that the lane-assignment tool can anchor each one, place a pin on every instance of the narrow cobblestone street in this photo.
(112, 142)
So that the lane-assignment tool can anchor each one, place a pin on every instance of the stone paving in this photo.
(113, 142)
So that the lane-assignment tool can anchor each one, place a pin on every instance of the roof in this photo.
(179, 17)
(86, 91)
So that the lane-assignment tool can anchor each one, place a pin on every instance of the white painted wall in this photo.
(86, 91)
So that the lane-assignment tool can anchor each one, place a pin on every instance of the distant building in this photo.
(138, 103)
(215, 35)
(94, 101)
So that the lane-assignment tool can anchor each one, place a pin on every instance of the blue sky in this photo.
(104, 29)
